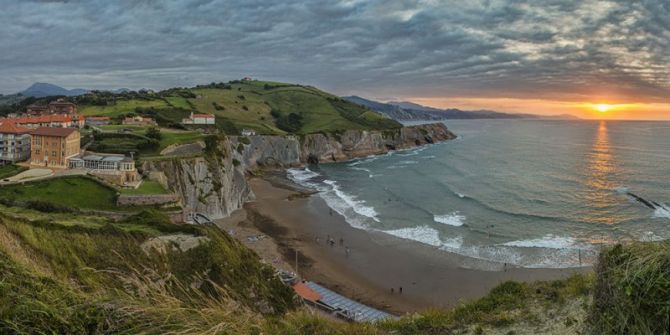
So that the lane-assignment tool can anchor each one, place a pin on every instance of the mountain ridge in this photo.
(408, 111)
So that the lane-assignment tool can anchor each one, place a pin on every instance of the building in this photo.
(14, 143)
(59, 106)
(54, 147)
(98, 120)
(248, 132)
(199, 119)
(113, 168)
(138, 121)
(37, 110)
(56, 120)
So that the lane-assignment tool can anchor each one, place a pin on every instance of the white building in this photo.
(199, 119)
(14, 142)
(248, 132)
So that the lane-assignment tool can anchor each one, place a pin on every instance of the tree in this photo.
(154, 133)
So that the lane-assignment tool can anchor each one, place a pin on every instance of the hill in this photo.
(267, 107)
(408, 111)
(40, 90)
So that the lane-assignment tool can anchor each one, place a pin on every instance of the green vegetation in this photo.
(7, 171)
(121, 107)
(69, 192)
(632, 294)
(266, 107)
(122, 143)
(58, 279)
(147, 187)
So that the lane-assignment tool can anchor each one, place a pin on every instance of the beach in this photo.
(368, 266)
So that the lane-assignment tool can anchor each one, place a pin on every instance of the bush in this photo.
(290, 123)
(632, 292)
(155, 133)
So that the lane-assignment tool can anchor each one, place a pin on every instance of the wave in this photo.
(662, 212)
(301, 175)
(453, 219)
(426, 235)
(357, 206)
(549, 241)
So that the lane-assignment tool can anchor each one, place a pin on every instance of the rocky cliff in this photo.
(278, 151)
(215, 184)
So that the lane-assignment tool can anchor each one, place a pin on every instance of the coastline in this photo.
(295, 219)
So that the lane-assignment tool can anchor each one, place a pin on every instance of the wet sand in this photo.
(376, 262)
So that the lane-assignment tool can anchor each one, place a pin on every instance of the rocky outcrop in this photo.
(214, 184)
(279, 151)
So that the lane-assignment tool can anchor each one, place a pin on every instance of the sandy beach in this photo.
(376, 264)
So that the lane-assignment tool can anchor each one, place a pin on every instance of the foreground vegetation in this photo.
(69, 273)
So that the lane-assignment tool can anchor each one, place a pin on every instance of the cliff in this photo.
(215, 184)
(278, 151)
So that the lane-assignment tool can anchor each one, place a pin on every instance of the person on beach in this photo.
(330, 210)
(400, 290)
(346, 251)
(391, 290)
(341, 241)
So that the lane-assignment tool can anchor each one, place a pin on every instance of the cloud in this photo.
(550, 49)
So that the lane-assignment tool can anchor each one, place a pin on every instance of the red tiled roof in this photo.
(203, 116)
(47, 118)
(9, 127)
(53, 131)
(305, 292)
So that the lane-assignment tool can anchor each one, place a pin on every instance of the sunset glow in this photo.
(603, 107)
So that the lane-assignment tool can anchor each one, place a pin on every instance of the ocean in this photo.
(530, 193)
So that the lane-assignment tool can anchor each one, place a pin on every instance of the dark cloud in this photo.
(569, 49)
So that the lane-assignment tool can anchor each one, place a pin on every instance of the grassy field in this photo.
(248, 105)
(71, 192)
(259, 105)
(147, 187)
(7, 171)
(133, 141)
(120, 107)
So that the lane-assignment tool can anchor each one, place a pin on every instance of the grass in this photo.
(9, 170)
(71, 192)
(147, 187)
(632, 294)
(58, 279)
(170, 138)
(121, 107)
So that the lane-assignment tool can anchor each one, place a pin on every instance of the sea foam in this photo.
(453, 219)
(549, 241)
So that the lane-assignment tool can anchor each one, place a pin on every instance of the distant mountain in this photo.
(408, 111)
(40, 90)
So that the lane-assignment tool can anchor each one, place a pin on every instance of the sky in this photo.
(545, 57)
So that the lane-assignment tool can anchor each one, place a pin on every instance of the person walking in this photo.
(400, 290)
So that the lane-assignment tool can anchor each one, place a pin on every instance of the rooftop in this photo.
(56, 132)
(9, 127)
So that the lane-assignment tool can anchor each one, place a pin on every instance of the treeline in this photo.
(291, 122)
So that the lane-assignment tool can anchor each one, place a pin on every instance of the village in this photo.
(54, 140)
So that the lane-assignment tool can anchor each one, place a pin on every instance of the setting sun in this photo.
(603, 107)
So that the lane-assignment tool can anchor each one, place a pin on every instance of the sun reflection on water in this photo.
(601, 181)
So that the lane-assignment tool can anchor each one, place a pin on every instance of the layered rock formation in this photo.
(215, 184)
(278, 151)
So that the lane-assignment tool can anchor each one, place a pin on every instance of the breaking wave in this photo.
(454, 219)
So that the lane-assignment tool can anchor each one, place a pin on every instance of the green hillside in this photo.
(266, 107)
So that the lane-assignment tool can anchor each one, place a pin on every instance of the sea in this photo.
(529, 193)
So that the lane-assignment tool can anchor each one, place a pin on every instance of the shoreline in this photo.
(297, 220)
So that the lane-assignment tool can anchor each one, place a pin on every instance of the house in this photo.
(14, 143)
(59, 106)
(199, 119)
(248, 132)
(37, 110)
(98, 120)
(56, 120)
(138, 121)
(54, 147)
(113, 168)
(246, 79)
